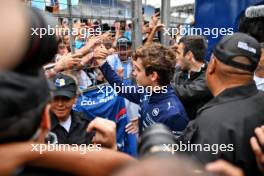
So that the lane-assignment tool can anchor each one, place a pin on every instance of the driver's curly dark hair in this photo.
(159, 58)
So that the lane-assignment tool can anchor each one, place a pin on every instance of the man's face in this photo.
(61, 106)
(181, 58)
(124, 52)
(140, 74)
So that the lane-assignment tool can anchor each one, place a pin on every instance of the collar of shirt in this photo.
(67, 124)
(193, 74)
(163, 94)
(75, 119)
(232, 94)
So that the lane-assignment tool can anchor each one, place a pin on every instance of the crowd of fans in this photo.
(217, 103)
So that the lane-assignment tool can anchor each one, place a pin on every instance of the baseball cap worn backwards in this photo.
(238, 44)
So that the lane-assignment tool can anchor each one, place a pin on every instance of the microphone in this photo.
(255, 11)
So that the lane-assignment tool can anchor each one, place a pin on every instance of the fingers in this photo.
(75, 60)
(102, 125)
(105, 132)
(129, 126)
(260, 134)
(160, 25)
(77, 55)
(101, 52)
(174, 47)
(100, 55)
(97, 40)
(107, 35)
(224, 168)
(255, 146)
(157, 14)
(72, 62)
(100, 48)
(132, 131)
(98, 138)
(134, 119)
(68, 62)
(132, 127)
(120, 72)
(92, 125)
(258, 141)
(92, 42)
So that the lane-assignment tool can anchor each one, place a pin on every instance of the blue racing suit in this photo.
(164, 107)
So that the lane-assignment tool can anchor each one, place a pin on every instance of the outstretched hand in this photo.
(105, 132)
(257, 147)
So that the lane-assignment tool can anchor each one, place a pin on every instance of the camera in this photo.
(154, 139)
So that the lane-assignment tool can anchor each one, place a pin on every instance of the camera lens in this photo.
(153, 140)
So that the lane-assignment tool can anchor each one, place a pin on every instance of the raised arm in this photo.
(129, 91)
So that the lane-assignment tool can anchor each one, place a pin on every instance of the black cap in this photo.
(238, 44)
(123, 41)
(64, 86)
